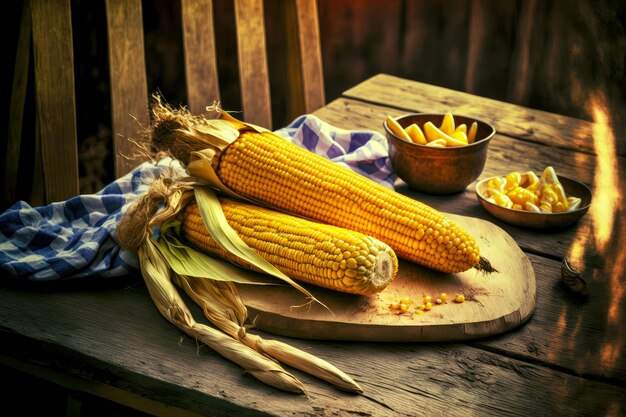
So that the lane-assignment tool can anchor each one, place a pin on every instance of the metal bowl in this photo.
(529, 219)
(438, 170)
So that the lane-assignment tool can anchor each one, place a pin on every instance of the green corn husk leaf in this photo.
(215, 222)
(185, 260)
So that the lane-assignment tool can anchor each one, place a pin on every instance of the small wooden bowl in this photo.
(529, 219)
(438, 170)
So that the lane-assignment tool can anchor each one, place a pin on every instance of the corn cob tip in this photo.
(384, 271)
(484, 265)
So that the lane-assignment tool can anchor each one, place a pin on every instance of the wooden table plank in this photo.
(568, 333)
(510, 119)
(116, 336)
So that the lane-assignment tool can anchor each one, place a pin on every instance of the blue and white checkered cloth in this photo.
(76, 238)
(364, 152)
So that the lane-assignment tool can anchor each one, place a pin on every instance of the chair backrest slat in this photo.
(200, 53)
(253, 69)
(129, 88)
(18, 99)
(55, 99)
(308, 59)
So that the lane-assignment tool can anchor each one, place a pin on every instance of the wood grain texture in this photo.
(311, 53)
(509, 119)
(200, 55)
(569, 333)
(519, 90)
(54, 92)
(129, 91)
(16, 109)
(253, 70)
(306, 78)
(497, 301)
(37, 195)
(130, 346)
(93, 387)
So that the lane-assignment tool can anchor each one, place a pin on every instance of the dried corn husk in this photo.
(216, 300)
(156, 273)
(164, 259)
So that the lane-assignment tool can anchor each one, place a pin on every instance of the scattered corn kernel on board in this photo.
(495, 302)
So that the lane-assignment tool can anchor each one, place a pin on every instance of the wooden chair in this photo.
(49, 22)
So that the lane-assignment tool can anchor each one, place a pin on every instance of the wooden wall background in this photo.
(553, 55)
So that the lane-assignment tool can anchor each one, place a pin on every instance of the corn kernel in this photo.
(461, 137)
(531, 207)
(534, 188)
(502, 200)
(427, 299)
(573, 202)
(549, 176)
(428, 306)
(404, 307)
(444, 297)
(560, 193)
(545, 207)
(558, 208)
(471, 134)
(521, 196)
(548, 195)
(395, 305)
(513, 180)
(495, 185)
(529, 178)
(459, 298)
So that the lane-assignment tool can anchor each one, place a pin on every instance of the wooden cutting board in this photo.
(494, 302)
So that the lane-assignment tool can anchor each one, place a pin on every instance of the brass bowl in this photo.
(438, 170)
(529, 219)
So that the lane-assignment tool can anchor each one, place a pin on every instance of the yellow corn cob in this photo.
(269, 169)
(315, 253)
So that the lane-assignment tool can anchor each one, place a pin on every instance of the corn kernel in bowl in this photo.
(528, 192)
(527, 200)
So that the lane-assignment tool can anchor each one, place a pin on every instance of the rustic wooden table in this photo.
(109, 340)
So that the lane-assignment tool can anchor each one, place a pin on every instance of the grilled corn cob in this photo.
(315, 253)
